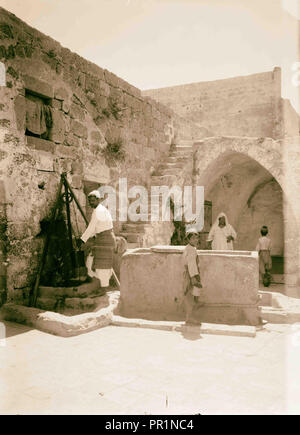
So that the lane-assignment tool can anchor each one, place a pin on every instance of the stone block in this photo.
(4, 123)
(76, 112)
(66, 106)
(20, 111)
(44, 160)
(77, 167)
(62, 165)
(96, 137)
(111, 78)
(80, 303)
(116, 94)
(76, 181)
(40, 144)
(38, 87)
(72, 140)
(78, 129)
(104, 88)
(55, 323)
(63, 95)
(66, 151)
(57, 131)
(81, 79)
(56, 104)
(101, 101)
(6, 31)
(229, 279)
(91, 83)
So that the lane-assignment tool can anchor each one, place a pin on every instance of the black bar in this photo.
(72, 254)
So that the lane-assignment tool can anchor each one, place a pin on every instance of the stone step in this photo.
(182, 148)
(178, 160)
(168, 171)
(180, 154)
(171, 165)
(163, 180)
(178, 149)
(185, 142)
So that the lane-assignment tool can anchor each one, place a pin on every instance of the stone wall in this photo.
(61, 113)
(241, 106)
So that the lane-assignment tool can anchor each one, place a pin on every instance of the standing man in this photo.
(100, 238)
(221, 234)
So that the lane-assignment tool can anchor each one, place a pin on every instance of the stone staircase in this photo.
(170, 172)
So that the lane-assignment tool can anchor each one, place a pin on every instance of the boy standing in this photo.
(264, 251)
(191, 269)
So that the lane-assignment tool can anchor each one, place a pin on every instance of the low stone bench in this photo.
(152, 286)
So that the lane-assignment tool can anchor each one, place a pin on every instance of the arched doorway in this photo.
(251, 196)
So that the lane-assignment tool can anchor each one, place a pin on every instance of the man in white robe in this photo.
(101, 239)
(221, 235)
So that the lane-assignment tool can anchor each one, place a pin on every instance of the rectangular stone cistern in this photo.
(152, 286)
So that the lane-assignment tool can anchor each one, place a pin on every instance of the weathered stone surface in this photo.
(58, 129)
(111, 78)
(76, 112)
(40, 144)
(4, 123)
(230, 286)
(104, 88)
(6, 31)
(72, 140)
(204, 328)
(55, 323)
(78, 129)
(56, 104)
(38, 86)
(61, 94)
(20, 111)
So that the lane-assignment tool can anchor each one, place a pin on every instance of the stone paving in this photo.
(119, 370)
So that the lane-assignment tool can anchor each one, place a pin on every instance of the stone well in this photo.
(152, 285)
(81, 298)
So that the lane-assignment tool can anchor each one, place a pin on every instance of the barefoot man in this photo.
(99, 238)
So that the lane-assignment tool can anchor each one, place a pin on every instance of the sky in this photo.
(159, 43)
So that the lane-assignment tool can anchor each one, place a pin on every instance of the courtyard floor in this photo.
(119, 370)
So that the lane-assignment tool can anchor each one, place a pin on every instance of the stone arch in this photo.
(236, 172)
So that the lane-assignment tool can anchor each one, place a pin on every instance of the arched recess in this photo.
(251, 196)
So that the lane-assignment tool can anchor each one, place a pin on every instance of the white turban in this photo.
(95, 193)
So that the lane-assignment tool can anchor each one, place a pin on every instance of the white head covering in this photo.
(95, 193)
(190, 230)
(221, 215)
(227, 231)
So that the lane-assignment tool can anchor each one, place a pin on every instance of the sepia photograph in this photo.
(149, 210)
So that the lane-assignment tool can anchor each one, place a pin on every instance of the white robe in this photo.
(218, 236)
